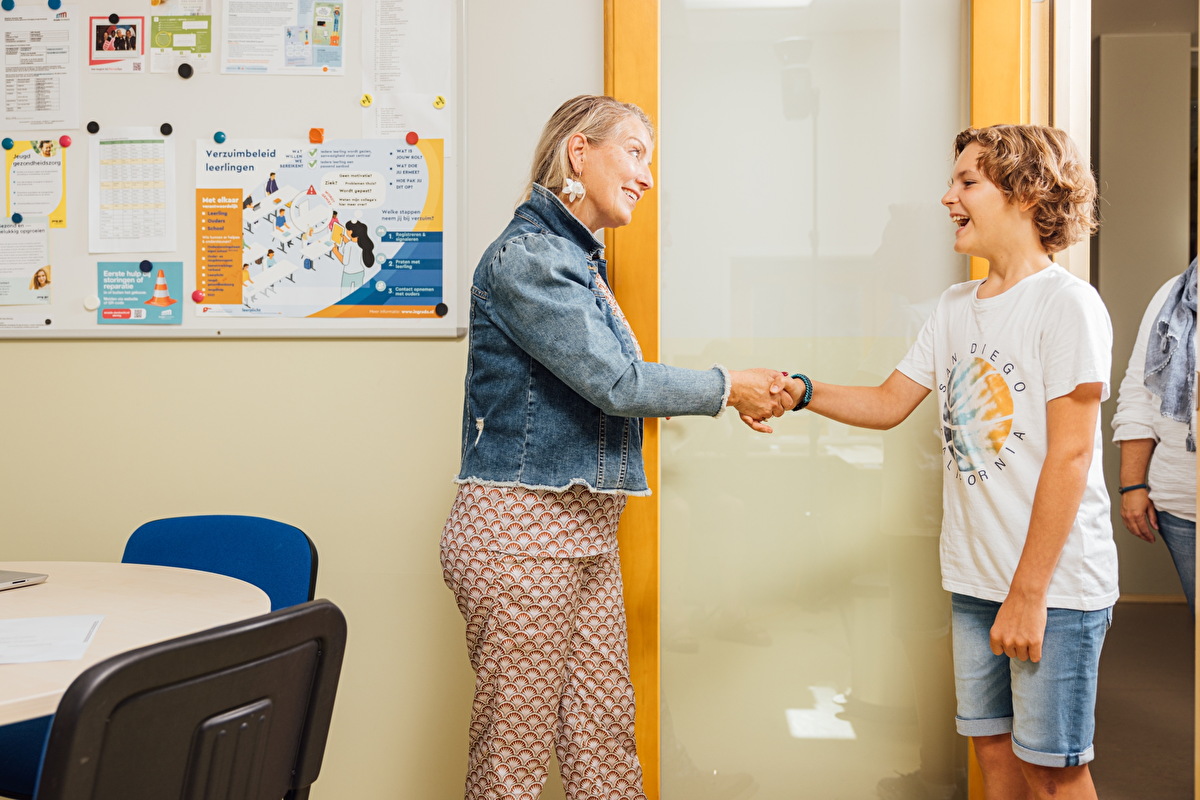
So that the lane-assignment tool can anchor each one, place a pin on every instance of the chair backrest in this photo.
(238, 712)
(276, 557)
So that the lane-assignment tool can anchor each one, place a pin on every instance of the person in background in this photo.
(1155, 428)
(555, 391)
(1020, 361)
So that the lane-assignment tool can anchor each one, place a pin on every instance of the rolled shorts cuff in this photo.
(1053, 759)
(984, 727)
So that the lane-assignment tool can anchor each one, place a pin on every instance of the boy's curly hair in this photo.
(1039, 166)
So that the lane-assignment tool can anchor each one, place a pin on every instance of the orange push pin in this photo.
(316, 135)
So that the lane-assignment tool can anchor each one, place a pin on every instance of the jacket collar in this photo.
(547, 211)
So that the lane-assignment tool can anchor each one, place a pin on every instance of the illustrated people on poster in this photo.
(337, 18)
(272, 186)
(246, 279)
(270, 262)
(280, 219)
(333, 221)
(248, 202)
(46, 148)
(41, 279)
(357, 255)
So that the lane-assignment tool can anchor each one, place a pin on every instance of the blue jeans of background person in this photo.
(1180, 538)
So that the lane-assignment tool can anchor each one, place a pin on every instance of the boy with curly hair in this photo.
(1020, 361)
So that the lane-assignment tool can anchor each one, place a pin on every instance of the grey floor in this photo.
(1145, 710)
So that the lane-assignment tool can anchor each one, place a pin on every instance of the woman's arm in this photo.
(1138, 513)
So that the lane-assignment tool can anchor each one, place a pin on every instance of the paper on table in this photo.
(34, 639)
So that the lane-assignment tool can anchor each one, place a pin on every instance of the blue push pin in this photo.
(16, 218)
(8, 5)
(219, 137)
(55, 5)
(7, 144)
(145, 266)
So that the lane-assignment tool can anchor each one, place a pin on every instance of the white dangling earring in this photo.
(574, 190)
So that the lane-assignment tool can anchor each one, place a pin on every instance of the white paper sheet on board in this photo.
(407, 70)
(131, 192)
(284, 37)
(26, 278)
(40, 67)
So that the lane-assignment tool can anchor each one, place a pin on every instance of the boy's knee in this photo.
(1054, 781)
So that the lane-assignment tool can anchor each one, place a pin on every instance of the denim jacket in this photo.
(555, 384)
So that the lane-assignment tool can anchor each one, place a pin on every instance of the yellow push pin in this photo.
(365, 100)
(439, 102)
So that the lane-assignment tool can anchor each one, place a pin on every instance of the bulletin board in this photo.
(231, 168)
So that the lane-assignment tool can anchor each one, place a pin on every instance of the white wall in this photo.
(356, 442)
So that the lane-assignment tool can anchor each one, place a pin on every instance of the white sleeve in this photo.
(1136, 407)
(1076, 343)
(919, 363)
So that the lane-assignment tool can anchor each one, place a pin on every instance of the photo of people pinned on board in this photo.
(41, 279)
(114, 41)
(357, 255)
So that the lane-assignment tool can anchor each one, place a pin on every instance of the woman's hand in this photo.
(1139, 514)
(758, 395)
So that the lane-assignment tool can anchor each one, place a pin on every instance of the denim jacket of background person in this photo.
(555, 385)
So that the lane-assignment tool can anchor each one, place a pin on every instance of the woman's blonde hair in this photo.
(1039, 166)
(597, 117)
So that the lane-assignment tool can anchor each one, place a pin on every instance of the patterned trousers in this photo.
(547, 640)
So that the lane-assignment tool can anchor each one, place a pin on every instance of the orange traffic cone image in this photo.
(161, 298)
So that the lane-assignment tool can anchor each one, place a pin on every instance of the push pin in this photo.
(113, 19)
(185, 70)
(93, 127)
(145, 266)
(439, 102)
(412, 137)
(441, 309)
(165, 129)
(219, 137)
(7, 144)
(316, 135)
(366, 100)
(55, 5)
(8, 5)
(91, 303)
(16, 218)
(197, 296)
(64, 141)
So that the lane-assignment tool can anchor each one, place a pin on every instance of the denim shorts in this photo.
(1049, 707)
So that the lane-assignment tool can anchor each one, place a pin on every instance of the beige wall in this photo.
(1143, 156)
(356, 442)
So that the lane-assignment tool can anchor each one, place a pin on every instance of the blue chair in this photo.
(278, 558)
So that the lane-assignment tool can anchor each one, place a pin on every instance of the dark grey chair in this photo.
(238, 712)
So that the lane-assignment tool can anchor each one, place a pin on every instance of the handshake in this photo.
(759, 394)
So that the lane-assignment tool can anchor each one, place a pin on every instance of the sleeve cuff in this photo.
(725, 394)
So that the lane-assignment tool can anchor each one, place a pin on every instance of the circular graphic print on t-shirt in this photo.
(978, 413)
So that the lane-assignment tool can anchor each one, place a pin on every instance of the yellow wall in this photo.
(356, 442)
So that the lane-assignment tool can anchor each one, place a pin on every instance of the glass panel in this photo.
(805, 148)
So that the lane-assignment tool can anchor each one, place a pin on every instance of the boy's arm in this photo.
(879, 407)
(1070, 438)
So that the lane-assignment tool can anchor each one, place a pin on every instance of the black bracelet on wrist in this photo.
(1132, 487)
(804, 401)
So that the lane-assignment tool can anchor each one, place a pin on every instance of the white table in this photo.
(141, 605)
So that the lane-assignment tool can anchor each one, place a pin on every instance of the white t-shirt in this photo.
(995, 363)
(1172, 473)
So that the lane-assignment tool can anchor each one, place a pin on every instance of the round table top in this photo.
(141, 604)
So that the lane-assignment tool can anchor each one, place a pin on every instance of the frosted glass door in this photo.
(805, 146)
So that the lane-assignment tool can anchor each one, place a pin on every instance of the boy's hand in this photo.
(1019, 628)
